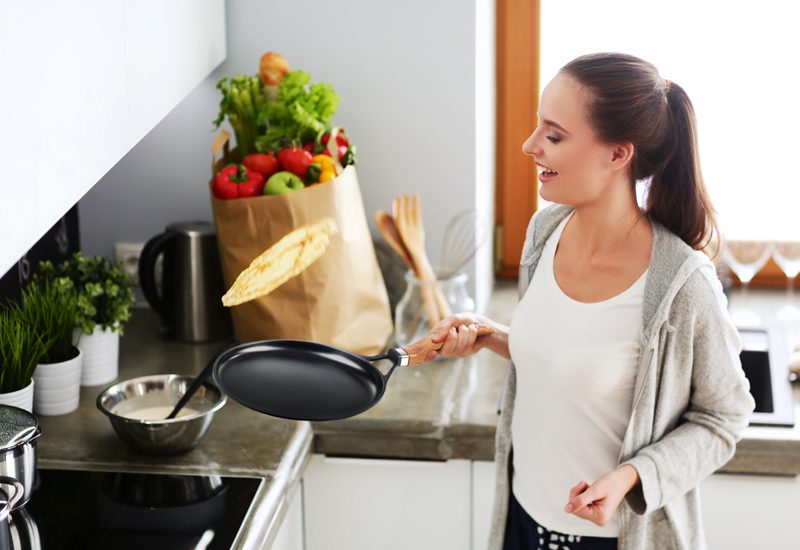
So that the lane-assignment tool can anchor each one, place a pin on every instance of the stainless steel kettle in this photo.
(190, 303)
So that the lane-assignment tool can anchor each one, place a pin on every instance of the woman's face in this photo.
(574, 166)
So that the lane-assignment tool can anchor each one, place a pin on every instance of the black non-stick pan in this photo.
(304, 380)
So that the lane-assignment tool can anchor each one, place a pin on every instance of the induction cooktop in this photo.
(90, 510)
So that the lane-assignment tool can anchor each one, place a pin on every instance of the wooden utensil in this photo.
(408, 216)
(388, 230)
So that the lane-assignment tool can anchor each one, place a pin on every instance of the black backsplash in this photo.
(60, 242)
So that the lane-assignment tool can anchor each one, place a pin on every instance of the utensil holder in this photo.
(410, 315)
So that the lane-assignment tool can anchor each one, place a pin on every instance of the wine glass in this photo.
(745, 258)
(787, 255)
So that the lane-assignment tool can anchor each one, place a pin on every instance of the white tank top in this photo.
(576, 366)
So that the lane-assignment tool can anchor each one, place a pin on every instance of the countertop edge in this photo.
(268, 508)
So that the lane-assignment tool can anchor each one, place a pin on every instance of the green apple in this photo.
(281, 183)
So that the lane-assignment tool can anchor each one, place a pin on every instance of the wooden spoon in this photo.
(408, 214)
(388, 230)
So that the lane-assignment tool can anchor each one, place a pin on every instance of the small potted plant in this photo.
(21, 349)
(50, 308)
(105, 296)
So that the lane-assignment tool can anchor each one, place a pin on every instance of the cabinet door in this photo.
(360, 504)
(483, 489)
(64, 105)
(745, 511)
(290, 534)
(172, 47)
(84, 81)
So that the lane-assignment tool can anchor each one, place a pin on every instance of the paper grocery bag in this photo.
(340, 299)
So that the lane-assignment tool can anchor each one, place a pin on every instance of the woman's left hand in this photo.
(598, 502)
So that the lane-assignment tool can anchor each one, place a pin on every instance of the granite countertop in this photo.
(449, 409)
(239, 442)
(443, 410)
(440, 411)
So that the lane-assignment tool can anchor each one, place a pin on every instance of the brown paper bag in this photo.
(338, 300)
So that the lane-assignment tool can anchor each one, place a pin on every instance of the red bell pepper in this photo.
(237, 181)
(295, 160)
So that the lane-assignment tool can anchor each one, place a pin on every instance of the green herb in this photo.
(21, 349)
(301, 112)
(50, 309)
(242, 99)
(104, 290)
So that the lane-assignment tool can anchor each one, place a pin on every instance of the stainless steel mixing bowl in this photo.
(162, 390)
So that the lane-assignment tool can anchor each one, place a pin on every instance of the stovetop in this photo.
(100, 510)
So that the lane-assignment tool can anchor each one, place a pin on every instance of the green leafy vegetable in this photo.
(301, 112)
(242, 100)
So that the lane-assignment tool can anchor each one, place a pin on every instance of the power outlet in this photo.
(128, 254)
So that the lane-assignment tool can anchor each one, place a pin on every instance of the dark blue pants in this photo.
(523, 533)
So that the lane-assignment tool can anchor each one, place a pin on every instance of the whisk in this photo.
(464, 235)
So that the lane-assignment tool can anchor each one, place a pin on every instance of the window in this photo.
(737, 61)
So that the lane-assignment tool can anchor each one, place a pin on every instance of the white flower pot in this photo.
(57, 386)
(21, 398)
(100, 356)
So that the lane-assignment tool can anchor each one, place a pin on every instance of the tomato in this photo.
(264, 164)
(295, 160)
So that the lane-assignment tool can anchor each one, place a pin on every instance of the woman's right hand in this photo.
(459, 334)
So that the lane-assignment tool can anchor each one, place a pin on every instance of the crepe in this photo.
(287, 258)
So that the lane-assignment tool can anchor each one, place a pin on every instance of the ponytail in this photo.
(631, 102)
(677, 196)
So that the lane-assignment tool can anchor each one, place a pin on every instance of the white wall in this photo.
(417, 86)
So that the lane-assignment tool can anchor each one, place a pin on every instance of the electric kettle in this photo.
(190, 301)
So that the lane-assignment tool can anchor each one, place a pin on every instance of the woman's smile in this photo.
(545, 173)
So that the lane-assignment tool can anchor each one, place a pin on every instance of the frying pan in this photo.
(303, 380)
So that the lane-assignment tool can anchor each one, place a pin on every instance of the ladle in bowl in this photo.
(201, 378)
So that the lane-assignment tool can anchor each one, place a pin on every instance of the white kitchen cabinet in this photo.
(290, 534)
(483, 489)
(364, 504)
(739, 511)
(742, 512)
(64, 104)
(172, 46)
(83, 82)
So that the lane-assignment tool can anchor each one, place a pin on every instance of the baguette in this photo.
(287, 258)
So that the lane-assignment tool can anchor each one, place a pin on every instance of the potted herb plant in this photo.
(50, 308)
(105, 296)
(21, 349)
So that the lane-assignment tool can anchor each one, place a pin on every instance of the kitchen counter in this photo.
(239, 442)
(441, 411)
(768, 450)
(449, 409)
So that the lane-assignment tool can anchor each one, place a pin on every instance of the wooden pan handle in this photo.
(419, 350)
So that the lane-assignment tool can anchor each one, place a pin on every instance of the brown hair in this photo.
(631, 102)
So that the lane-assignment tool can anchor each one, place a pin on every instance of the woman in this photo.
(626, 388)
